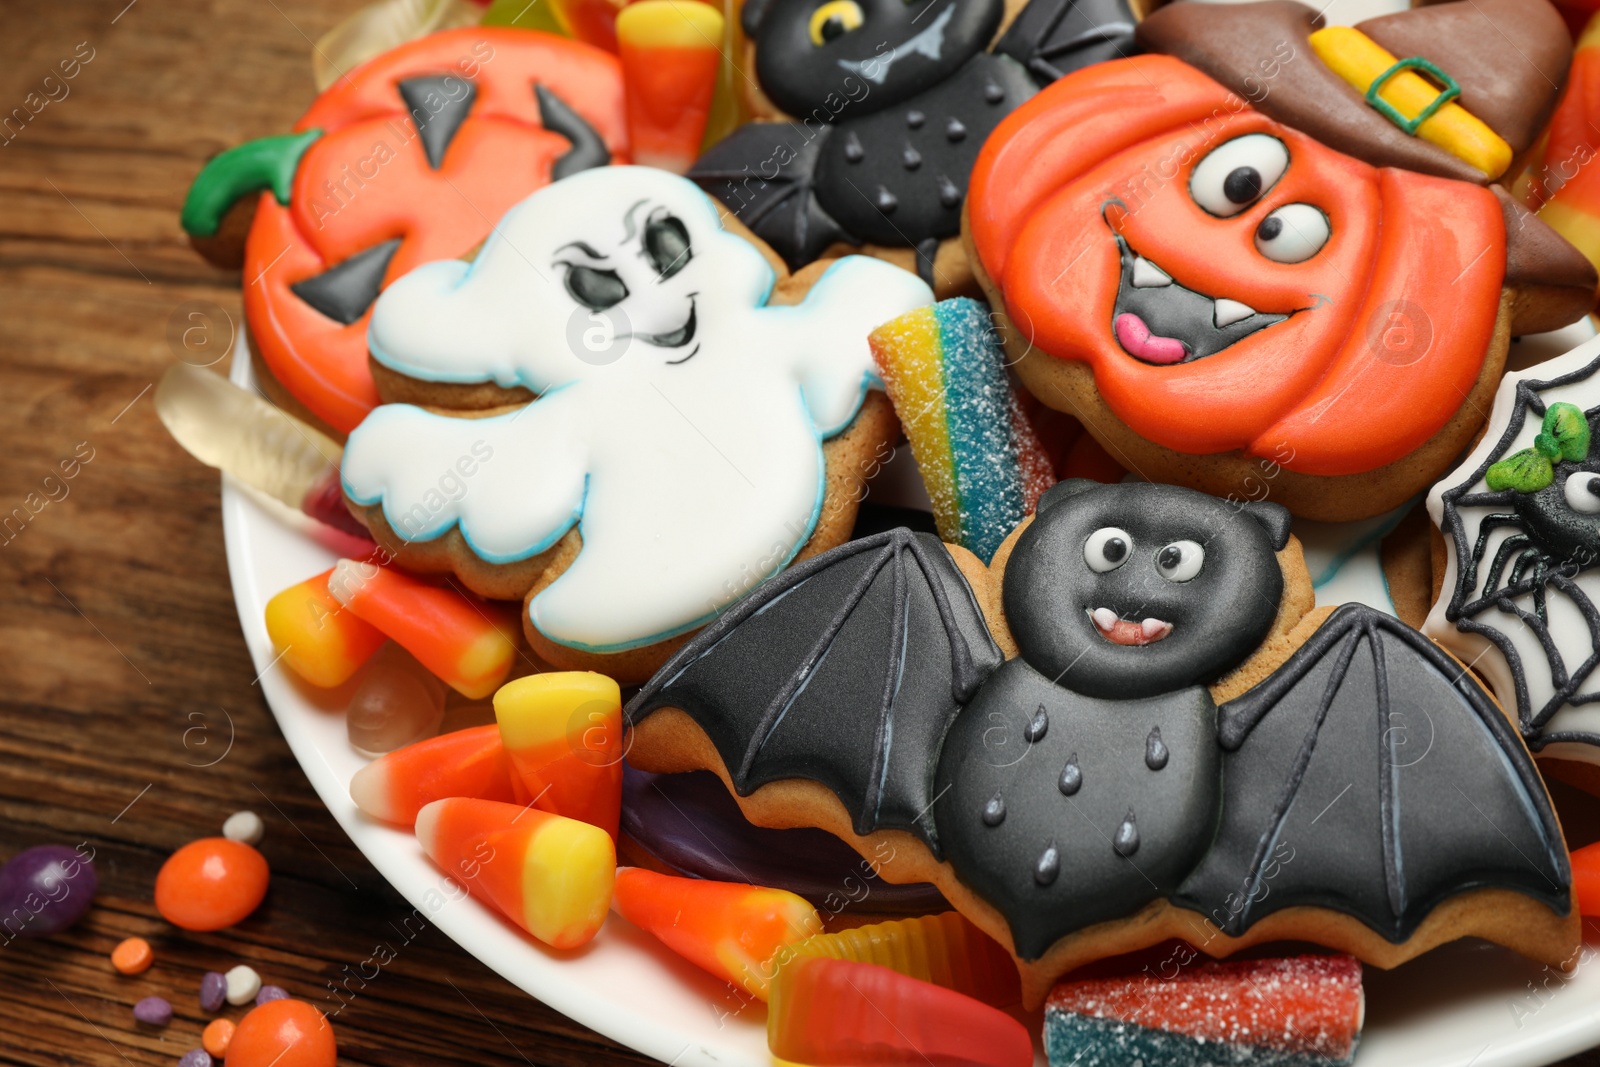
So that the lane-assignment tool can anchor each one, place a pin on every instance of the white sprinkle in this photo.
(244, 826)
(243, 985)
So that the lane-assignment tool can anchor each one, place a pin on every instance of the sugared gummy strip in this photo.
(983, 465)
(1296, 1012)
(740, 933)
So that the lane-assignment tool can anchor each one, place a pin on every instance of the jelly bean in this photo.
(283, 1033)
(195, 1057)
(982, 462)
(945, 949)
(563, 733)
(132, 956)
(1586, 878)
(244, 826)
(210, 884)
(466, 763)
(216, 1037)
(550, 875)
(259, 443)
(213, 991)
(44, 890)
(1300, 1012)
(398, 701)
(243, 983)
(824, 1011)
(463, 641)
(316, 637)
(670, 52)
(153, 1011)
(270, 993)
(733, 930)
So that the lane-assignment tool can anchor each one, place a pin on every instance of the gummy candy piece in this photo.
(457, 639)
(982, 463)
(671, 56)
(398, 701)
(1306, 1010)
(740, 933)
(1586, 878)
(316, 637)
(826, 1011)
(590, 21)
(262, 445)
(466, 763)
(945, 949)
(211, 884)
(283, 1033)
(550, 875)
(563, 733)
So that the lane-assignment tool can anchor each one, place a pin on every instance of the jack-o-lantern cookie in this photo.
(871, 112)
(407, 159)
(1232, 264)
(1130, 727)
(690, 436)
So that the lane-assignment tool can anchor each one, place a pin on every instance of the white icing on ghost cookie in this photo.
(1541, 664)
(679, 421)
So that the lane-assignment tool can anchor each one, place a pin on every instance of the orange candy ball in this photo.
(132, 956)
(217, 1038)
(285, 1033)
(210, 884)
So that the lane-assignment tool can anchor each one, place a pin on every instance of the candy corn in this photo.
(1567, 184)
(1586, 878)
(466, 763)
(825, 1011)
(457, 639)
(944, 949)
(316, 637)
(671, 55)
(738, 932)
(563, 732)
(550, 875)
(983, 466)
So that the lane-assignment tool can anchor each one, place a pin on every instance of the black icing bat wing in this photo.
(776, 683)
(1371, 775)
(1053, 38)
(764, 173)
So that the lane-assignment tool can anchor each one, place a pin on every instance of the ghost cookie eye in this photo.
(835, 19)
(1238, 173)
(1293, 233)
(1107, 549)
(666, 245)
(1180, 561)
(595, 287)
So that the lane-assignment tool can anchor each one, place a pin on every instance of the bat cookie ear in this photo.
(752, 14)
(1274, 518)
(1061, 490)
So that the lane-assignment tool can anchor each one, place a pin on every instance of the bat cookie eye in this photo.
(666, 245)
(1582, 491)
(1107, 549)
(595, 289)
(1180, 561)
(1292, 234)
(1236, 174)
(835, 19)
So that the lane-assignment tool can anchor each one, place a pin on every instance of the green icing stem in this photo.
(265, 163)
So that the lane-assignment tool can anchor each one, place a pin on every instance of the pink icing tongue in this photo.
(1137, 340)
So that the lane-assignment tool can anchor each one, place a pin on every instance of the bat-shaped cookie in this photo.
(1135, 734)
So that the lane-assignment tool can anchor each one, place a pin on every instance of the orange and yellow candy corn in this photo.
(550, 875)
(563, 733)
(461, 641)
(466, 763)
(316, 637)
(671, 59)
(738, 932)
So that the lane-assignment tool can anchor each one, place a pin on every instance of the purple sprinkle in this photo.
(195, 1057)
(213, 991)
(153, 1010)
(271, 992)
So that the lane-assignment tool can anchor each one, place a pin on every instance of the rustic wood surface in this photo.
(117, 628)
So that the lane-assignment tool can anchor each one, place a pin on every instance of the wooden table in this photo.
(122, 657)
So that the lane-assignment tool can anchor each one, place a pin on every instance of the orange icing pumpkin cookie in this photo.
(1275, 255)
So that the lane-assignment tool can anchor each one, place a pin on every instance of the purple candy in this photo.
(44, 890)
(153, 1010)
(213, 991)
(271, 992)
(195, 1057)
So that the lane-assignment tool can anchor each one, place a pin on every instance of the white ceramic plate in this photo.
(1463, 1004)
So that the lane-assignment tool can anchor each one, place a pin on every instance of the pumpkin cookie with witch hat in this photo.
(694, 427)
(1275, 252)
